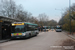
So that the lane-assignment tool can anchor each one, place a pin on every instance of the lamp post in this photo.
(70, 14)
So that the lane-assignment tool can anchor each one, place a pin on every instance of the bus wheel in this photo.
(29, 35)
(12, 38)
(36, 34)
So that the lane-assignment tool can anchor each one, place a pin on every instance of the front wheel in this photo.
(36, 34)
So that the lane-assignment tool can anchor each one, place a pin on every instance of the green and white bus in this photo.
(23, 30)
(46, 28)
(58, 28)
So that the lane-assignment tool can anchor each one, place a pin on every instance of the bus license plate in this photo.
(19, 33)
(17, 37)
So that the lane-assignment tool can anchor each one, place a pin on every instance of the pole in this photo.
(70, 14)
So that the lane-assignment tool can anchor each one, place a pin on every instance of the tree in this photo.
(8, 8)
(43, 18)
(52, 23)
(65, 20)
(73, 11)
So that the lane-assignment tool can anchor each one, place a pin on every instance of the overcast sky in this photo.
(37, 7)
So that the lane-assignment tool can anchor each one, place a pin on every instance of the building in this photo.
(5, 26)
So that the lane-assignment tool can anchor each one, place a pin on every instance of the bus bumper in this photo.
(17, 37)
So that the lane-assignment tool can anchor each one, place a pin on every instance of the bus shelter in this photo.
(5, 27)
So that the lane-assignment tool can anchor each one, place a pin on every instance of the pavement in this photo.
(70, 35)
(44, 41)
(6, 40)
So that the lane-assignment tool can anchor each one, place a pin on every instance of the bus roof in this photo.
(26, 23)
(31, 24)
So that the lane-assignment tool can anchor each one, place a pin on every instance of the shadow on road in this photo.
(68, 44)
(23, 38)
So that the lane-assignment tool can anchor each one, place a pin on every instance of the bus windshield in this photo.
(17, 28)
(47, 28)
(58, 27)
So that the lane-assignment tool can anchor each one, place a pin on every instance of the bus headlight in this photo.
(23, 34)
(11, 34)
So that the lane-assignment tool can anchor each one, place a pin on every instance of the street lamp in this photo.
(70, 14)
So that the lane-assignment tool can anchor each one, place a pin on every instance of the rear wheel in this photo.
(36, 34)
(29, 35)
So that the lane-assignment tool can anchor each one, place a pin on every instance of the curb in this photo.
(2, 41)
(70, 36)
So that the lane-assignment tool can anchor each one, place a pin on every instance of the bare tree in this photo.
(43, 18)
(8, 8)
(23, 15)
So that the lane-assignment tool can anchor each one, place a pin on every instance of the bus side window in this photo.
(25, 28)
(28, 27)
(36, 28)
(32, 28)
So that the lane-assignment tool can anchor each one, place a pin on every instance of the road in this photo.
(43, 41)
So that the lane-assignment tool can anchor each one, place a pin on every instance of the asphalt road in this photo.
(43, 41)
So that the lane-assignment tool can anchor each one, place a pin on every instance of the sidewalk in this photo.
(1, 41)
(70, 35)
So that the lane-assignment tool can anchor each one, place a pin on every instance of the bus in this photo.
(23, 30)
(52, 28)
(46, 28)
(58, 28)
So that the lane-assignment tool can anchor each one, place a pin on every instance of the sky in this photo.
(53, 8)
